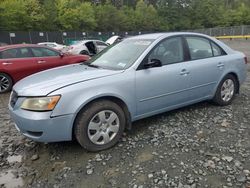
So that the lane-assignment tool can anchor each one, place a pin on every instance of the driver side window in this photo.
(168, 51)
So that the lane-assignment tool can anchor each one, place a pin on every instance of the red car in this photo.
(19, 61)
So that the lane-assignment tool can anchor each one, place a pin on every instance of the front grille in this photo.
(13, 99)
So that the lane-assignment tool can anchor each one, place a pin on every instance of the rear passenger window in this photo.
(199, 48)
(217, 50)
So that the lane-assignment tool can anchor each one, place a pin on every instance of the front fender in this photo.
(76, 96)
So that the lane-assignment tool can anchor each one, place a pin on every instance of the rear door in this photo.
(18, 62)
(206, 66)
(47, 58)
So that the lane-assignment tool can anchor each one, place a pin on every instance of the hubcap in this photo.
(4, 83)
(227, 90)
(103, 127)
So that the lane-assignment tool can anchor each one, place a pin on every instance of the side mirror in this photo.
(61, 54)
(153, 63)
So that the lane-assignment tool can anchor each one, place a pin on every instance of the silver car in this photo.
(137, 78)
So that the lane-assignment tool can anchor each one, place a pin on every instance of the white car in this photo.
(87, 47)
(53, 45)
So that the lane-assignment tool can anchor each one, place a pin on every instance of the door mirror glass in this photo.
(153, 63)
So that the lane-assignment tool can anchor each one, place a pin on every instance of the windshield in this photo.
(120, 56)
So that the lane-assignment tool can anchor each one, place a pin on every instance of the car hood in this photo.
(43, 83)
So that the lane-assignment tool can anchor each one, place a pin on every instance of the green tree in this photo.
(35, 16)
(108, 17)
(74, 15)
(147, 18)
(13, 15)
(206, 13)
(21, 15)
(50, 14)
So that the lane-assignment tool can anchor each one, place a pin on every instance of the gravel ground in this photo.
(197, 146)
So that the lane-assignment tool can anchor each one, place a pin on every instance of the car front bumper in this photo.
(41, 127)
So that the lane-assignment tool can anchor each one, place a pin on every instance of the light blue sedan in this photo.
(137, 78)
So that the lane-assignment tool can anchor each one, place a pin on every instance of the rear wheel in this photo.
(226, 90)
(5, 83)
(100, 126)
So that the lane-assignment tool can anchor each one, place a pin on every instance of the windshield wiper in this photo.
(90, 65)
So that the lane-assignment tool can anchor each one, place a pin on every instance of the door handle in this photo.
(6, 63)
(184, 72)
(41, 61)
(220, 65)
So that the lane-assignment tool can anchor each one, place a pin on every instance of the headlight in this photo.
(40, 103)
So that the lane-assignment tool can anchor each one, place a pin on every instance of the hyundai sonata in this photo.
(137, 78)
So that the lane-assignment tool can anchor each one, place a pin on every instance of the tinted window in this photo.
(24, 52)
(44, 52)
(199, 48)
(169, 51)
(15, 53)
(217, 50)
(9, 54)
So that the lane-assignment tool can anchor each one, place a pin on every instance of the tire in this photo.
(225, 98)
(6, 83)
(84, 52)
(93, 125)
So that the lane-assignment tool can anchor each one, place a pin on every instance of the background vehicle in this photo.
(87, 47)
(53, 45)
(113, 40)
(3, 44)
(136, 78)
(19, 61)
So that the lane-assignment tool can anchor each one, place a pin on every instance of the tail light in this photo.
(245, 58)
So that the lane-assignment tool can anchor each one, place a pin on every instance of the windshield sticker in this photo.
(143, 42)
(122, 64)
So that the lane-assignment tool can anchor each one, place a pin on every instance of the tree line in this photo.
(121, 15)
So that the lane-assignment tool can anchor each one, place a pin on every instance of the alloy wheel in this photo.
(4, 83)
(227, 90)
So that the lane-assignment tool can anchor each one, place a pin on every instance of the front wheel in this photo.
(100, 125)
(5, 83)
(226, 90)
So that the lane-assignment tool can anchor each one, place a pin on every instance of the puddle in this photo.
(14, 158)
(8, 180)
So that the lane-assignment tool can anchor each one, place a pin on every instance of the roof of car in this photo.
(154, 36)
(18, 46)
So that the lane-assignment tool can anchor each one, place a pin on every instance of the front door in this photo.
(162, 88)
(19, 62)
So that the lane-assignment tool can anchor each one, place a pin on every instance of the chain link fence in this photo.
(67, 38)
(225, 31)
(34, 37)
